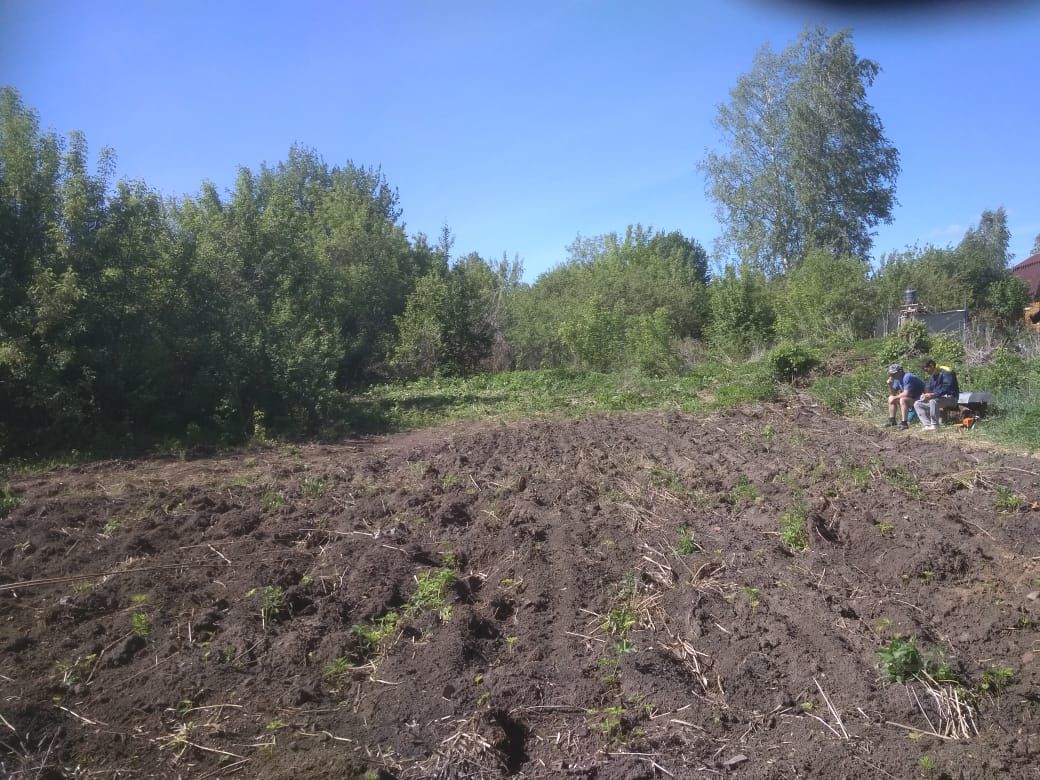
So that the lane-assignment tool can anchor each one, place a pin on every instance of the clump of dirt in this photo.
(640, 595)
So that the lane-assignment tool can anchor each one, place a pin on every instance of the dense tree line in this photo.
(127, 318)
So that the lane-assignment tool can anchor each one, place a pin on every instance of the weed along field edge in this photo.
(774, 592)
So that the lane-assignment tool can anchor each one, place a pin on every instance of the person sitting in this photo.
(942, 391)
(903, 390)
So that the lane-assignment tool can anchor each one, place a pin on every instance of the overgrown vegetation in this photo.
(297, 304)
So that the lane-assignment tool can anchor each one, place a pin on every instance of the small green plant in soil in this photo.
(685, 544)
(794, 533)
(620, 620)
(8, 502)
(141, 624)
(668, 479)
(743, 491)
(272, 501)
(901, 660)
(314, 488)
(336, 670)
(905, 481)
(608, 721)
(885, 528)
(272, 601)
(996, 678)
(431, 592)
(1008, 500)
(374, 632)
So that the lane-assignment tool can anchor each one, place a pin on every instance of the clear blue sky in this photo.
(521, 125)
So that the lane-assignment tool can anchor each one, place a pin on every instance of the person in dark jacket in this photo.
(941, 392)
(903, 391)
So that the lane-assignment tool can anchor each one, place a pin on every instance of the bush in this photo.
(911, 340)
(857, 392)
(946, 350)
(788, 360)
(649, 344)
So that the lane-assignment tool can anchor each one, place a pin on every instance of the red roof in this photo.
(1029, 272)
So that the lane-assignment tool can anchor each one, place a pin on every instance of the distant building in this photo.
(1029, 272)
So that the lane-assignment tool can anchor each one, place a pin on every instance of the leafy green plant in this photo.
(885, 528)
(609, 720)
(743, 491)
(314, 488)
(336, 670)
(1008, 500)
(905, 481)
(620, 620)
(685, 544)
(8, 502)
(272, 602)
(141, 624)
(996, 678)
(901, 660)
(794, 532)
(431, 593)
(272, 500)
(374, 632)
(789, 361)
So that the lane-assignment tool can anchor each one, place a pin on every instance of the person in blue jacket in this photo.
(903, 390)
(942, 391)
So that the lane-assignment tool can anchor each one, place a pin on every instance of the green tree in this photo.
(825, 297)
(1036, 245)
(808, 164)
(448, 322)
(742, 314)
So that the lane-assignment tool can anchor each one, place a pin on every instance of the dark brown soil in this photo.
(205, 618)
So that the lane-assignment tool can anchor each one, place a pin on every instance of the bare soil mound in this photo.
(610, 597)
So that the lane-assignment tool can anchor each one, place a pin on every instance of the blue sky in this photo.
(521, 125)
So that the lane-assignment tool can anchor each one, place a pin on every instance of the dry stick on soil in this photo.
(830, 706)
(101, 655)
(97, 575)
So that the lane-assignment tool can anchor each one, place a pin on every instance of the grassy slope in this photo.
(850, 382)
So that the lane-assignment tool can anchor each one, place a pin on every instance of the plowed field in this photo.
(608, 597)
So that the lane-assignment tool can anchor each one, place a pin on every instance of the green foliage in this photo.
(447, 326)
(826, 298)
(743, 491)
(685, 544)
(946, 350)
(609, 297)
(901, 660)
(789, 360)
(648, 348)
(807, 163)
(996, 678)
(1007, 371)
(373, 634)
(141, 624)
(909, 341)
(620, 621)
(8, 502)
(272, 501)
(794, 531)
(855, 392)
(314, 488)
(742, 315)
(594, 334)
(1008, 500)
(431, 591)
